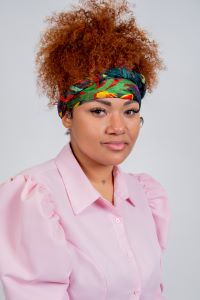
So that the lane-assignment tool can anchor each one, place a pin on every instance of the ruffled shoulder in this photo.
(31, 225)
(24, 195)
(159, 205)
(34, 250)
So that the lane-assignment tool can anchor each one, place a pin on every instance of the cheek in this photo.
(134, 129)
(83, 128)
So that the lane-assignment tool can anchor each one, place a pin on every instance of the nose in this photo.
(116, 125)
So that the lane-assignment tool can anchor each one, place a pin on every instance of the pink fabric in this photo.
(59, 239)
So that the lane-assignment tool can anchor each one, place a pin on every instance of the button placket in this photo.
(119, 229)
(123, 238)
(118, 225)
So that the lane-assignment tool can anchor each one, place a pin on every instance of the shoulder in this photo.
(157, 200)
(149, 185)
(38, 173)
(146, 181)
(29, 190)
(41, 170)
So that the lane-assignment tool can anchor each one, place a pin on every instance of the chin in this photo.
(114, 160)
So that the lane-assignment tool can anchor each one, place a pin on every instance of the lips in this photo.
(115, 145)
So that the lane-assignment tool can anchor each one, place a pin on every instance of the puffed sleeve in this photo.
(34, 257)
(159, 205)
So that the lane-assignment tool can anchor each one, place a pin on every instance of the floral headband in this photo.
(113, 83)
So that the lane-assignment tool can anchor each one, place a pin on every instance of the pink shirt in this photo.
(60, 239)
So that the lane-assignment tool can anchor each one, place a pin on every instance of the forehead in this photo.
(113, 102)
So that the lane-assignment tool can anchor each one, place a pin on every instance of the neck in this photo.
(98, 174)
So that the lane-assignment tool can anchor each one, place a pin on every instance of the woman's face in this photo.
(104, 131)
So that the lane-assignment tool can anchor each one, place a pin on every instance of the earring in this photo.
(68, 131)
(141, 121)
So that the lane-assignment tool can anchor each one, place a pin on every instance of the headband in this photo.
(113, 83)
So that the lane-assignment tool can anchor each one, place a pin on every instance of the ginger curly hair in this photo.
(90, 38)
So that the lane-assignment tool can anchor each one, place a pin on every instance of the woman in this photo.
(77, 227)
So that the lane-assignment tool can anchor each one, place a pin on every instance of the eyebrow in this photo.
(110, 104)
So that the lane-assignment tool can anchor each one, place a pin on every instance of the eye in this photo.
(131, 112)
(98, 111)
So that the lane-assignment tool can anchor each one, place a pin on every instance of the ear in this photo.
(67, 121)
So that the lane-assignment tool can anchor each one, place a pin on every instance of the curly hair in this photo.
(90, 38)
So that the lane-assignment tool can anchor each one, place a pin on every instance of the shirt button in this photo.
(117, 220)
(135, 294)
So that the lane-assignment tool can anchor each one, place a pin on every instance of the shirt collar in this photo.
(77, 183)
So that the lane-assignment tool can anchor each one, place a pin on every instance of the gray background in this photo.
(168, 147)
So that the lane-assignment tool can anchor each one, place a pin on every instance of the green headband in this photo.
(113, 83)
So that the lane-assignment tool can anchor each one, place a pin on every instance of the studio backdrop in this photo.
(168, 147)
